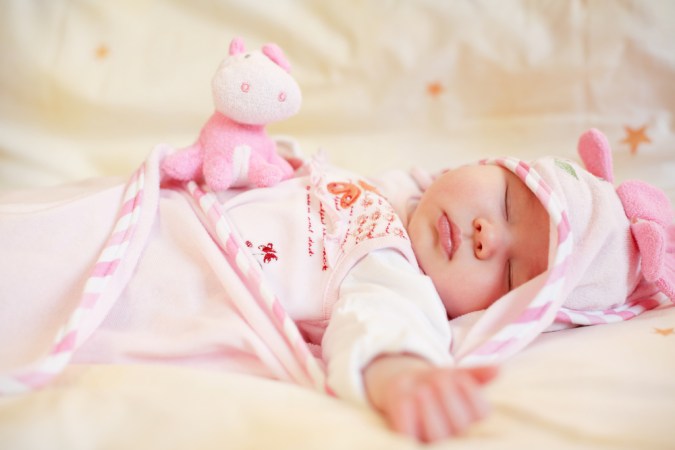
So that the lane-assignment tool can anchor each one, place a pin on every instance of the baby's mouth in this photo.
(449, 235)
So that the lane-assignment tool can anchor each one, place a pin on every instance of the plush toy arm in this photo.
(218, 170)
(283, 164)
(263, 173)
(184, 164)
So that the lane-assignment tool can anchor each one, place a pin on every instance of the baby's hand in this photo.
(424, 401)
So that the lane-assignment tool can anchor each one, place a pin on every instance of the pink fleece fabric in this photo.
(621, 235)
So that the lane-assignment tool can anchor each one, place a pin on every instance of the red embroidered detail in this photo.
(359, 208)
(362, 219)
(349, 231)
(369, 187)
(348, 193)
(310, 230)
(309, 211)
(324, 257)
(269, 251)
(372, 229)
(375, 218)
(390, 218)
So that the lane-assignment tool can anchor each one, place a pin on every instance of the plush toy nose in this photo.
(282, 96)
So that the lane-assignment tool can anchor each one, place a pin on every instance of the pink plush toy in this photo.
(250, 90)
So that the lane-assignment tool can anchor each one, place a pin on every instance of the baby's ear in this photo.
(596, 154)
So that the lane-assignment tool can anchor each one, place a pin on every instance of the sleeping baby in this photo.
(374, 275)
(401, 293)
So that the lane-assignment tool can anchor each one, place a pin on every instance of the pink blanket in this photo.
(103, 272)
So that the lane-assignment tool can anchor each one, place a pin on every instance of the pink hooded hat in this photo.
(611, 252)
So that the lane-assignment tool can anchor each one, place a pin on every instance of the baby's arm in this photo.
(386, 313)
(424, 401)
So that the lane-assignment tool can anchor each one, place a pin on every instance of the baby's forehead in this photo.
(515, 184)
(480, 170)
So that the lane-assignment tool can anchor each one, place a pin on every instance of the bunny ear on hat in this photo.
(651, 217)
(596, 154)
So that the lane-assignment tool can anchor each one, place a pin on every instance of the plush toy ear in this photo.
(596, 154)
(274, 52)
(237, 46)
(643, 201)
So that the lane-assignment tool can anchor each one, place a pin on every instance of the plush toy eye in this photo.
(245, 87)
(248, 55)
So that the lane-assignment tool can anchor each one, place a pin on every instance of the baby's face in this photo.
(479, 232)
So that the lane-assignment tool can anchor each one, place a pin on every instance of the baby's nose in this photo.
(486, 238)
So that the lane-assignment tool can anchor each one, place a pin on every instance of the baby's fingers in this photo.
(435, 422)
(401, 414)
(472, 397)
(483, 374)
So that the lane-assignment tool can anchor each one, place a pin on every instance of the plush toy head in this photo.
(255, 88)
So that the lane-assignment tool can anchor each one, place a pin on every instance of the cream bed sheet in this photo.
(88, 87)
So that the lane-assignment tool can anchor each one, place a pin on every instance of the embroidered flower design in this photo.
(368, 187)
(399, 232)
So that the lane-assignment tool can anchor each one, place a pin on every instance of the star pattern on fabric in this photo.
(664, 331)
(435, 89)
(635, 137)
(102, 51)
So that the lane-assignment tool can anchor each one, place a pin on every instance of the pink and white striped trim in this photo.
(73, 333)
(311, 372)
(508, 338)
(623, 312)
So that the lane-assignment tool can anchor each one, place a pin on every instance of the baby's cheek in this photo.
(470, 288)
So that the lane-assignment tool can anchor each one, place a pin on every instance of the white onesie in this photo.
(337, 254)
